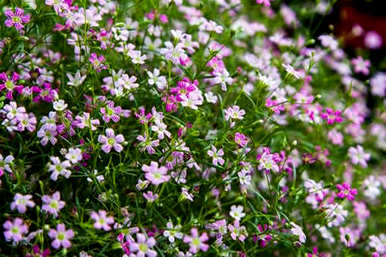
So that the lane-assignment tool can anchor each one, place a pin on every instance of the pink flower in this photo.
(345, 191)
(10, 84)
(332, 116)
(101, 220)
(361, 66)
(196, 242)
(21, 202)
(358, 156)
(265, 2)
(336, 137)
(61, 236)
(14, 230)
(361, 210)
(237, 231)
(241, 139)
(150, 196)
(97, 62)
(143, 246)
(216, 155)
(156, 175)
(16, 18)
(111, 141)
(373, 40)
(52, 204)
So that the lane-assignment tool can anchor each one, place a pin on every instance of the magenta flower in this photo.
(97, 62)
(196, 242)
(36, 252)
(111, 141)
(61, 236)
(143, 246)
(101, 220)
(265, 2)
(332, 116)
(10, 84)
(21, 202)
(16, 18)
(241, 139)
(156, 175)
(358, 156)
(52, 204)
(15, 230)
(345, 191)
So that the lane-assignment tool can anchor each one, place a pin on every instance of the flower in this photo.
(59, 105)
(237, 212)
(111, 141)
(52, 204)
(61, 237)
(361, 66)
(237, 231)
(21, 202)
(373, 40)
(358, 156)
(298, 231)
(345, 191)
(101, 220)
(241, 139)
(196, 241)
(59, 168)
(265, 2)
(216, 155)
(76, 80)
(150, 196)
(156, 79)
(172, 232)
(378, 243)
(15, 230)
(16, 18)
(97, 62)
(143, 246)
(74, 155)
(156, 175)
(371, 185)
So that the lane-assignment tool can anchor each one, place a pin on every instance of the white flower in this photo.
(60, 105)
(155, 78)
(298, 231)
(76, 80)
(74, 155)
(237, 212)
(210, 97)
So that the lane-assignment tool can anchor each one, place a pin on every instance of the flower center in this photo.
(196, 242)
(143, 248)
(61, 236)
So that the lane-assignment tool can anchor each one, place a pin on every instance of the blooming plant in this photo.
(188, 128)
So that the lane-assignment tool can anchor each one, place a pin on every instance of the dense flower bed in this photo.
(187, 128)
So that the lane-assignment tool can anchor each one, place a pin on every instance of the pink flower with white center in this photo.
(237, 232)
(52, 204)
(156, 175)
(378, 84)
(358, 156)
(97, 62)
(345, 191)
(332, 116)
(61, 236)
(361, 66)
(378, 243)
(268, 163)
(85, 121)
(241, 139)
(265, 2)
(216, 155)
(298, 231)
(349, 236)
(137, 57)
(223, 78)
(361, 210)
(143, 246)
(234, 112)
(101, 220)
(59, 168)
(21, 202)
(16, 18)
(111, 141)
(10, 84)
(147, 144)
(150, 196)
(335, 214)
(15, 230)
(196, 241)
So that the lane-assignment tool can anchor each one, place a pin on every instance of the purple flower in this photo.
(241, 139)
(52, 204)
(361, 66)
(15, 230)
(196, 242)
(97, 62)
(111, 141)
(10, 84)
(101, 220)
(156, 175)
(143, 246)
(150, 196)
(16, 18)
(216, 155)
(61, 236)
(21, 202)
(237, 231)
(345, 191)
(110, 112)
